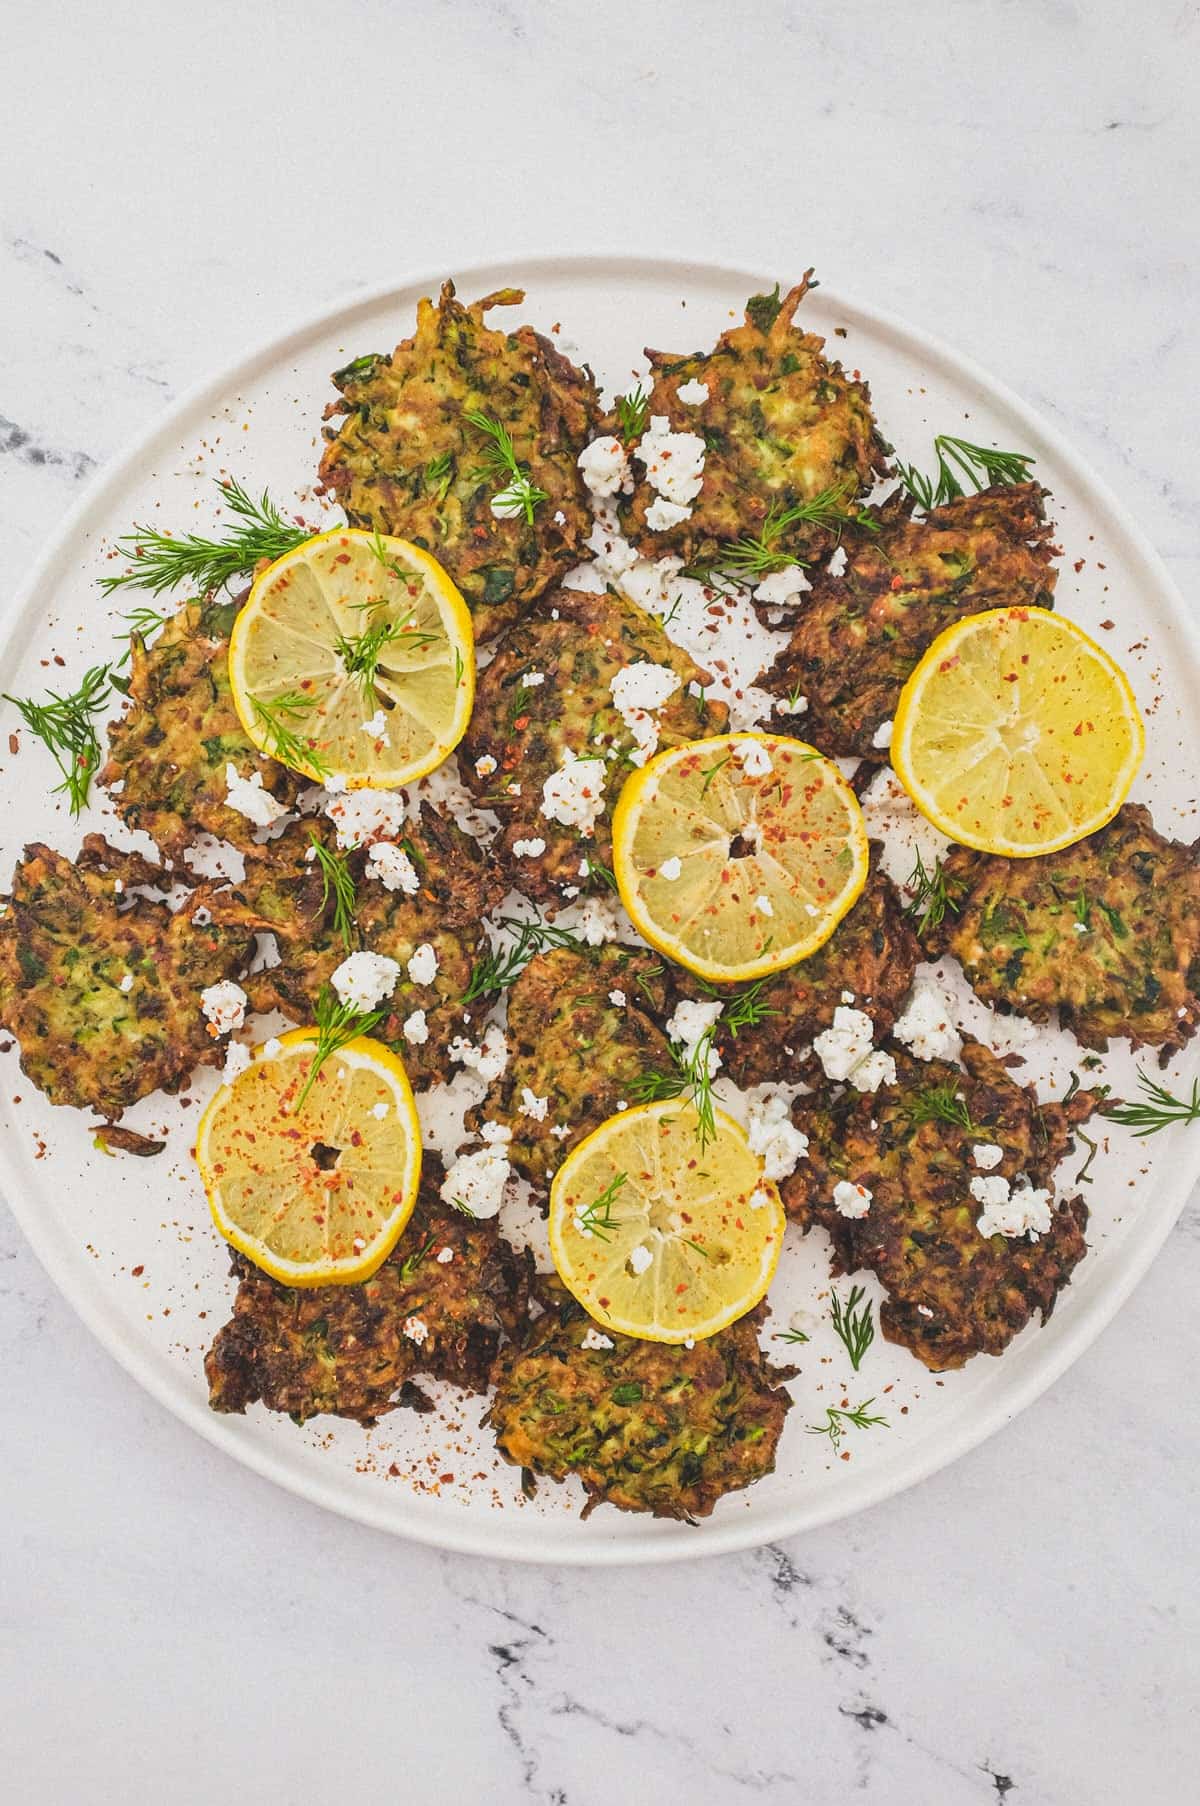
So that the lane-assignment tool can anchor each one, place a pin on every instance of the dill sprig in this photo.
(597, 1218)
(142, 622)
(500, 465)
(931, 896)
(337, 1024)
(1157, 1109)
(499, 969)
(790, 1335)
(692, 1078)
(756, 555)
(745, 1010)
(857, 1331)
(633, 411)
(957, 459)
(161, 562)
(439, 474)
(838, 1416)
(411, 1262)
(67, 727)
(337, 881)
(940, 1103)
(283, 742)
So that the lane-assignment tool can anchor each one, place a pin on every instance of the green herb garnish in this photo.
(597, 1218)
(979, 465)
(337, 881)
(276, 719)
(838, 1416)
(1157, 1109)
(501, 465)
(496, 971)
(633, 411)
(162, 563)
(940, 1103)
(337, 1024)
(756, 555)
(67, 727)
(857, 1331)
(409, 1265)
(931, 897)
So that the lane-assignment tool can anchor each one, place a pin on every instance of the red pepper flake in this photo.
(137, 1271)
(14, 744)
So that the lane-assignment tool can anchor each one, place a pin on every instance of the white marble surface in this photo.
(178, 181)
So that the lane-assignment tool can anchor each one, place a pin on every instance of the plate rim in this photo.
(460, 1534)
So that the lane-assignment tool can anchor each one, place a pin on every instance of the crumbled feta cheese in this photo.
(1081, 927)
(753, 758)
(560, 1131)
(532, 1105)
(248, 797)
(692, 393)
(617, 997)
(882, 737)
(560, 519)
(595, 1338)
(638, 691)
(780, 588)
(764, 906)
(377, 727)
(423, 966)
(604, 466)
(416, 1330)
(848, 996)
(528, 849)
(237, 1059)
(837, 562)
(927, 1024)
(986, 1155)
(689, 1025)
(225, 1006)
(851, 1200)
(789, 705)
(365, 980)
(599, 920)
(532, 680)
(363, 816)
(759, 1199)
(415, 1029)
(379, 1111)
(670, 869)
(674, 462)
(126, 983)
(444, 1256)
(272, 1048)
(1023, 1210)
(574, 794)
(509, 503)
(773, 1136)
(478, 1179)
(845, 1051)
(640, 1258)
(488, 1059)
(662, 515)
(485, 765)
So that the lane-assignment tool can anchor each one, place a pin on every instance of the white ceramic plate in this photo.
(129, 1242)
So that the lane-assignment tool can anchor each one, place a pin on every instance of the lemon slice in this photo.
(1017, 734)
(354, 659)
(317, 1196)
(660, 1238)
(739, 854)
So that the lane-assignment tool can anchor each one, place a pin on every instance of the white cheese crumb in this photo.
(391, 866)
(692, 393)
(560, 519)
(488, 1059)
(528, 849)
(485, 765)
(759, 1198)
(782, 587)
(753, 758)
(986, 1155)
(1023, 1210)
(574, 794)
(224, 1004)
(638, 692)
(532, 1105)
(882, 737)
(118, 883)
(416, 1330)
(478, 1179)
(640, 1258)
(662, 515)
(362, 816)
(379, 1111)
(509, 503)
(237, 1058)
(689, 1024)
(837, 561)
(365, 980)
(272, 1048)
(604, 466)
(764, 906)
(851, 1200)
(423, 966)
(846, 1053)
(126, 983)
(848, 996)
(617, 997)
(773, 1136)
(927, 1024)
(792, 706)
(415, 1029)
(674, 462)
(377, 727)
(670, 869)
(560, 1131)
(444, 1256)
(248, 797)
(595, 1338)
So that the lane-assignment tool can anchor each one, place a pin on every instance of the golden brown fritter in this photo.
(169, 752)
(406, 460)
(782, 425)
(284, 892)
(101, 986)
(354, 1350)
(1107, 932)
(572, 1045)
(523, 730)
(859, 636)
(646, 1426)
(952, 1292)
(872, 953)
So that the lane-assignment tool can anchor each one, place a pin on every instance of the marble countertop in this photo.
(1016, 176)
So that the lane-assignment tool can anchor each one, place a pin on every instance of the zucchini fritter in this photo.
(101, 986)
(168, 753)
(354, 1350)
(646, 1426)
(575, 643)
(859, 636)
(1107, 930)
(404, 459)
(952, 1292)
(781, 424)
(571, 1045)
(284, 893)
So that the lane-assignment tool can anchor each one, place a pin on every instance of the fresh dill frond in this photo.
(363, 654)
(411, 1262)
(439, 474)
(276, 719)
(940, 1103)
(633, 411)
(838, 1416)
(501, 465)
(1157, 1109)
(756, 555)
(981, 466)
(790, 1335)
(931, 896)
(337, 881)
(855, 1327)
(463, 1208)
(595, 869)
(161, 562)
(710, 771)
(496, 971)
(66, 725)
(597, 1218)
(142, 622)
(747, 1009)
(692, 1078)
(337, 1024)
